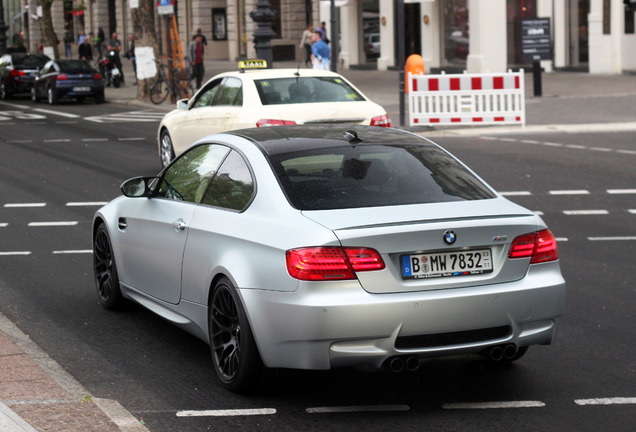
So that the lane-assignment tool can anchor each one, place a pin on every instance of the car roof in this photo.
(257, 74)
(284, 139)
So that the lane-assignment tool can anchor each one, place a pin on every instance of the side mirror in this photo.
(182, 104)
(137, 187)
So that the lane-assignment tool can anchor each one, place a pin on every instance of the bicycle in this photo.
(179, 87)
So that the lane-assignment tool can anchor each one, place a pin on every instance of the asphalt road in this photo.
(59, 164)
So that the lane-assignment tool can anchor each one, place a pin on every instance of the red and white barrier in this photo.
(467, 99)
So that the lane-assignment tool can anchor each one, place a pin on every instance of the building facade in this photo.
(474, 35)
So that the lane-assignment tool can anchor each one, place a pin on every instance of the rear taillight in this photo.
(331, 263)
(61, 77)
(97, 76)
(15, 73)
(540, 246)
(382, 121)
(274, 122)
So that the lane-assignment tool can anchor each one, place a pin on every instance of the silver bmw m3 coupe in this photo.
(315, 247)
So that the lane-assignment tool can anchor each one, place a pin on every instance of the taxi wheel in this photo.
(234, 353)
(166, 151)
(105, 270)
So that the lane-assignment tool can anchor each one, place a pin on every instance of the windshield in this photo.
(74, 66)
(374, 175)
(306, 90)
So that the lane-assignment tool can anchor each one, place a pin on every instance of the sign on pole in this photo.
(536, 43)
(165, 7)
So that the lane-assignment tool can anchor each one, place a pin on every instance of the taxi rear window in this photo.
(374, 175)
(306, 90)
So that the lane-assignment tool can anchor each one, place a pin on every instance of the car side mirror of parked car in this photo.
(137, 187)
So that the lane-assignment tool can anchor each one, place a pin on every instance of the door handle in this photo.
(122, 224)
(179, 225)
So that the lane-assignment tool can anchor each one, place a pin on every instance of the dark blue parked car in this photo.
(60, 79)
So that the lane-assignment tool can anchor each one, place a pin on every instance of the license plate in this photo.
(81, 89)
(444, 264)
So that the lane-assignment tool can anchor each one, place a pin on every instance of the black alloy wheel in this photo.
(234, 353)
(105, 270)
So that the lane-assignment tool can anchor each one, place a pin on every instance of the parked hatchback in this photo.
(17, 72)
(68, 79)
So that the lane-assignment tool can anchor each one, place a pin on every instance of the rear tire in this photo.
(4, 93)
(34, 95)
(236, 360)
(52, 96)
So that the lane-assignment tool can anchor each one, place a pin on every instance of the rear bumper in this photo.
(80, 90)
(340, 324)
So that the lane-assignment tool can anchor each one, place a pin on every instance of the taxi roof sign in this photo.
(252, 64)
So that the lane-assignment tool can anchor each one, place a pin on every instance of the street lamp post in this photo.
(263, 15)
(3, 30)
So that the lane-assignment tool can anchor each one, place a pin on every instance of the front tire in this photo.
(236, 360)
(166, 150)
(105, 270)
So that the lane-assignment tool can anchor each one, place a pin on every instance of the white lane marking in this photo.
(52, 224)
(357, 408)
(615, 238)
(94, 139)
(585, 212)
(227, 413)
(632, 211)
(131, 139)
(631, 152)
(56, 140)
(24, 205)
(20, 141)
(69, 252)
(601, 149)
(515, 193)
(86, 204)
(607, 401)
(15, 253)
(59, 113)
(530, 141)
(22, 107)
(552, 144)
(3, 224)
(561, 239)
(569, 192)
(494, 405)
(621, 191)
(576, 146)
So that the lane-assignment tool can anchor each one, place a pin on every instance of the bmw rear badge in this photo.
(450, 237)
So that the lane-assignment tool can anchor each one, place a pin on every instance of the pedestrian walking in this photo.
(130, 55)
(85, 51)
(100, 40)
(323, 32)
(68, 40)
(305, 42)
(203, 39)
(195, 57)
(320, 52)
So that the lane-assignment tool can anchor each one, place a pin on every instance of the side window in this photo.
(206, 97)
(233, 185)
(229, 92)
(188, 177)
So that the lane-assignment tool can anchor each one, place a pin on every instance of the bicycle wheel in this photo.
(158, 92)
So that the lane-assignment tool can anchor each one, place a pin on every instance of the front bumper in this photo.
(320, 326)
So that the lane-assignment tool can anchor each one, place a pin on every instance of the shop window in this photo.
(515, 11)
(629, 22)
(456, 32)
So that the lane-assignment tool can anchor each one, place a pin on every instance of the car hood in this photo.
(397, 231)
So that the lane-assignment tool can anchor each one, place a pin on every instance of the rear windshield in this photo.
(30, 60)
(370, 176)
(75, 66)
(306, 90)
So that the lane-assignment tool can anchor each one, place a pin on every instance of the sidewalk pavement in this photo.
(36, 394)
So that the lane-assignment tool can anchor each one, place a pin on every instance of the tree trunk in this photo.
(46, 26)
(143, 19)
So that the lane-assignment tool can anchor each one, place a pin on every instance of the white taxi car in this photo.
(264, 97)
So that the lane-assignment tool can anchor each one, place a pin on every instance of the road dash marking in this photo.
(3, 224)
(71, 252)
(515, 193)
(585, 212)
(607, 401)
(601, 149)
(227, 413)
(357, 408)
(86, 204)
(614, 238)
(24, 205)
(631, 152)
(13, 253)
(561, 239)
(56, 140)
(52, 224)
(132, 139)
(494, 405)
(632, 211)
(552, 144)
(94, 139)
(621, 191)
(570, 192)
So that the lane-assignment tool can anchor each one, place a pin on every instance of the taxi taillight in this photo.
(540, 246)
(331, 263)
(274, 122)
(381, 121)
